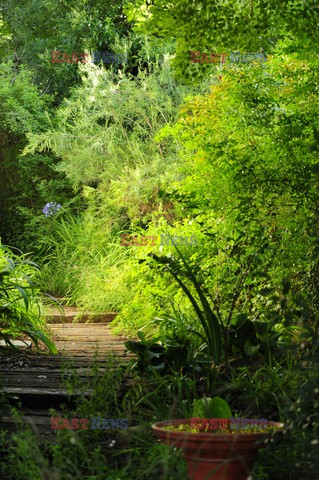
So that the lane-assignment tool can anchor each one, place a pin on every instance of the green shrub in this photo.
(20, 305)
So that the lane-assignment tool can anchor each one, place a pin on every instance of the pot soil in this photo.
(215, 456)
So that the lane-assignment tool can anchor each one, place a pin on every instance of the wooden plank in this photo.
(86, 329)
(44, 370)
(30, 380)
(89, 342)
(99, 338)
(67, 347)
(90, 354)
(52, 361)
(53, 315)
(80, 326)
(34, 419)
(75, 326)
(41, 391)
(88, 333)
(82, 342)
(17, 343)
(40, 425)
(27, 373)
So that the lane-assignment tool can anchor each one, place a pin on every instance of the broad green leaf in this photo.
(209, 407)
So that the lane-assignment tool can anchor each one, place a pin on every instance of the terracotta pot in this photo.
(214, 456)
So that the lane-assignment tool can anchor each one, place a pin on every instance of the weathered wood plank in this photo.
(90, 344)
(80, 326)
(43, 390)
(53, 315)
(89, 334)
(31, 419)
(33, 373)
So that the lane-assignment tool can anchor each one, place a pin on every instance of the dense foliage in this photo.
(20, 305)
(161, 148)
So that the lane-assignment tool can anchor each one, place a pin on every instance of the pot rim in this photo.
(211, 436)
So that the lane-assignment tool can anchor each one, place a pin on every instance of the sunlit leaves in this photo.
(20, 307)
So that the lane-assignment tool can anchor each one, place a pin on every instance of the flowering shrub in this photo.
(51, 208)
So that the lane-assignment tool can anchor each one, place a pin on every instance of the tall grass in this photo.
(104, 135)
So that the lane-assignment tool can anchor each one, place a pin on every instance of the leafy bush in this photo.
(20, 306)
(111, 120)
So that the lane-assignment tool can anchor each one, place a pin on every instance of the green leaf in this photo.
(250, 349)
(211, 408)
(24, 296)
(7, 340)
(36, 335)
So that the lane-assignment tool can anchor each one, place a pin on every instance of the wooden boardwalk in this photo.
(35, 378)
(84, 339)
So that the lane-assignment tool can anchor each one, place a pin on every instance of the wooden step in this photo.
(33, 373)
(40, 425)
(73, 314)
(73, 339)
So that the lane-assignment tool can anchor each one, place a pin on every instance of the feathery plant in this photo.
(104, 135)
(109, 123)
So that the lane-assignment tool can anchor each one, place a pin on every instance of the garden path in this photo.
(35, 378)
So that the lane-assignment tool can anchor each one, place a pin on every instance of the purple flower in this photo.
(50, 209)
